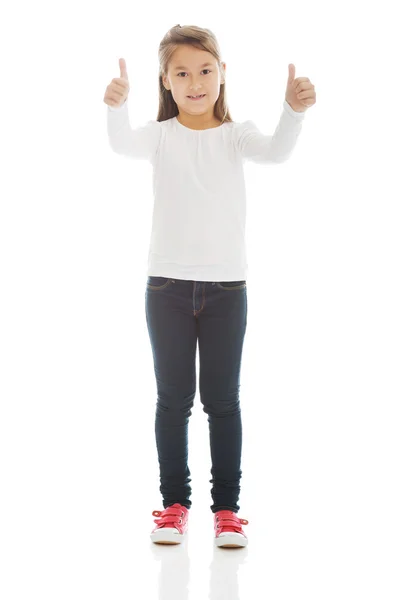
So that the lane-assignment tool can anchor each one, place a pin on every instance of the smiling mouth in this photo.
(196, 97)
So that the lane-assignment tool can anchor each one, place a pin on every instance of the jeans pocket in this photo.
(231, 285)
(157, 283)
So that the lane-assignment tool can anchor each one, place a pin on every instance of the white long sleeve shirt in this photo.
(199, 212)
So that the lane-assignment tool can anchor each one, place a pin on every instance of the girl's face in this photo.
(188, 75)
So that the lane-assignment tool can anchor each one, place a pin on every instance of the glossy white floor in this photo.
(319, 489)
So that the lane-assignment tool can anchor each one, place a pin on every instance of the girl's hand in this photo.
(300, 92)
(117, 91)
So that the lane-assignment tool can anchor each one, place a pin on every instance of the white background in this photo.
(320, 383)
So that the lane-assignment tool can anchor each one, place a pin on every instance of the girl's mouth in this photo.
(196, 98)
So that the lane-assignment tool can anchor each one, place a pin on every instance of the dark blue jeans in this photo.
(179, 312)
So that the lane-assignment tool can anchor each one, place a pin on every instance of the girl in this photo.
(197, 266)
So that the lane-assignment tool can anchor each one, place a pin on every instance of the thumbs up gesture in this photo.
(300, 92)
(117, 91)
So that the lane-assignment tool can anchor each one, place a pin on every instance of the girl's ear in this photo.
(165, 82)
(223, 72)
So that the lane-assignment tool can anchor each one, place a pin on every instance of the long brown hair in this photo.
(200, 38)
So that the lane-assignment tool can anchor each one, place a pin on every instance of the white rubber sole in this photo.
(167, 535)
(231, 540)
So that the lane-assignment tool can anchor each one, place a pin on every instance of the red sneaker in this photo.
(228, 530)
(172, 525)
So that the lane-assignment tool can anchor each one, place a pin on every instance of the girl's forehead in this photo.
(189, 53)
(187, 65)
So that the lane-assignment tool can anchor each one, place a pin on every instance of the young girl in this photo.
(197, 265)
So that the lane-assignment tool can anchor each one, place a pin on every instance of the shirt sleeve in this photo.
(139, 143)
(116, 108)
(259, 148)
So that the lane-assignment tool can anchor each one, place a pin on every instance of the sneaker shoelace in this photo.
(169, 517)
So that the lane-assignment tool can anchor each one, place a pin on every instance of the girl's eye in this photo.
(203, 70)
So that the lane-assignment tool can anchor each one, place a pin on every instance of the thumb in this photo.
(292, 72)
(122, 68)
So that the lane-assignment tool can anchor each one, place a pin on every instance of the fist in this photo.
(117, 91)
